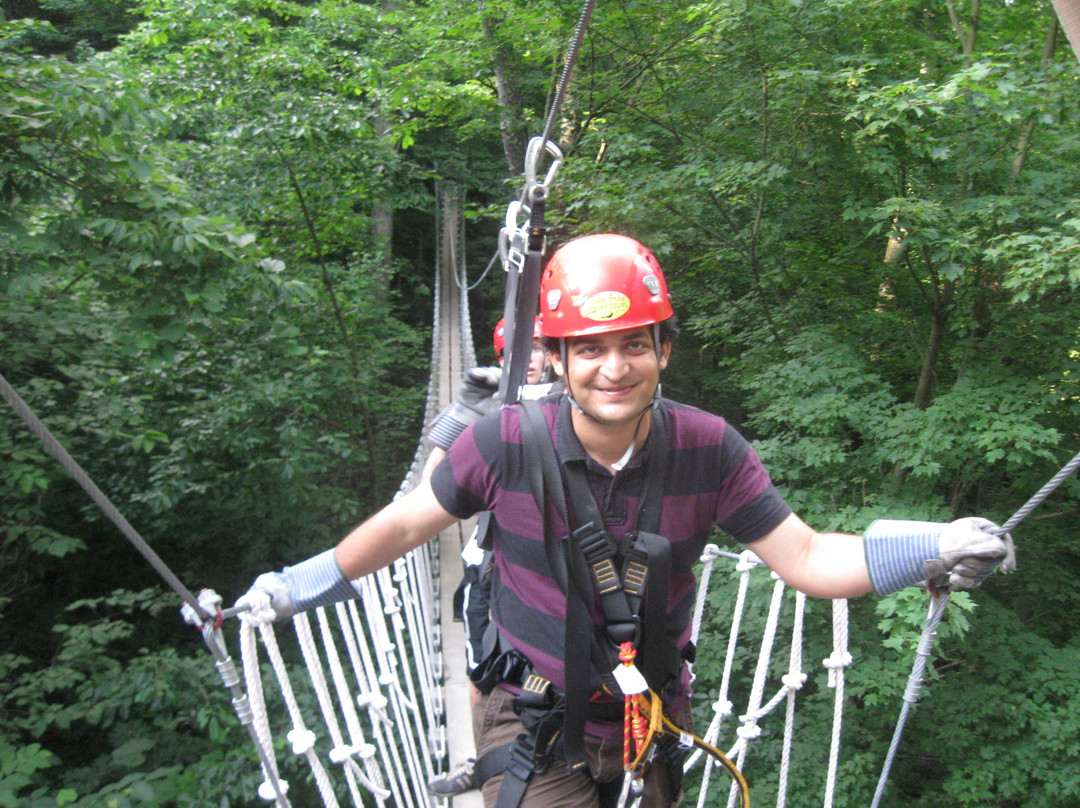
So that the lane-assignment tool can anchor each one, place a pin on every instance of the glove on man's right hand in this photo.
(318, 581)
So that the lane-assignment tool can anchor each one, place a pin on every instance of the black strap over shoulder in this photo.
(585, 568)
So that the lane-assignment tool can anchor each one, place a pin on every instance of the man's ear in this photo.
(556, 362)
(665, 353)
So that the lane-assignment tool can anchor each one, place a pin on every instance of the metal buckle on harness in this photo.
(635, 569)
(597, 547)
(536, 694)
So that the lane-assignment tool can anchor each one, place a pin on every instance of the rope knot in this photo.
(261, 611)
(627, 653)
(339, 754)
(302, 740)
(793, 681)
(747, 561)
(723, 707)
(269, 793)
(836, 662)
(749, 731)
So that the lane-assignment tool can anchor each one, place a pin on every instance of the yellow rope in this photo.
(660, 724)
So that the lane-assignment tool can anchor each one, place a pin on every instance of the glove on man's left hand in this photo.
(969, 549)
(959, 554)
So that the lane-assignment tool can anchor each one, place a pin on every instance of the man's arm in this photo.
(823, 565)
(403, 525)
(326, 578)
(891, 554)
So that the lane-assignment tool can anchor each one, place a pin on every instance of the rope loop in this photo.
(261, 612)
(710, 553)
(747, 561)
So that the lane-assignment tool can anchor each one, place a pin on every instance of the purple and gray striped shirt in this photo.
(713, 477)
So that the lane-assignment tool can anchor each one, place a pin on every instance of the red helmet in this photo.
(499, 337)
(606, 282)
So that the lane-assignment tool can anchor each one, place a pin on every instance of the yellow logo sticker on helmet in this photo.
(605, 306)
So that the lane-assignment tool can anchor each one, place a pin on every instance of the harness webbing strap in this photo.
(588, 561)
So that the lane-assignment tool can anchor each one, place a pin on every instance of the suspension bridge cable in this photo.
(53, 446)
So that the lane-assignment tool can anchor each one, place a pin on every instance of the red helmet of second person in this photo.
(498, 339)
(600, 283)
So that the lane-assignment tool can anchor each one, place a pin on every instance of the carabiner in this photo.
(532, 161)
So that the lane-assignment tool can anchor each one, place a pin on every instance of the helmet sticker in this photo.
(605, 306)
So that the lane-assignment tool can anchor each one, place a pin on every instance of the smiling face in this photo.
(613, 376)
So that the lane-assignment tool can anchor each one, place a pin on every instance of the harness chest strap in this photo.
(586, 566)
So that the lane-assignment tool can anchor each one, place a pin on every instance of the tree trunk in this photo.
(515, 138)
(382, 231)
(1024, 141)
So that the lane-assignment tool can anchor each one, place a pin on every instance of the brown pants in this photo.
(495, 724)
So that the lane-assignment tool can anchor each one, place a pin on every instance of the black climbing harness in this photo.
(633, 594)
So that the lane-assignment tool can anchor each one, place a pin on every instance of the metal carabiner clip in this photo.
(512, 236)
(537, 145)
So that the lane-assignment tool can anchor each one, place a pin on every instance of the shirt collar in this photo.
(569, 446)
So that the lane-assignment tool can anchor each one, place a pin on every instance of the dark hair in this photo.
(669, 329)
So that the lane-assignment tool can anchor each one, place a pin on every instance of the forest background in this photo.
(217, 232)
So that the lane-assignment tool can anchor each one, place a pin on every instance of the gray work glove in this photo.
(958, 554)
(477, 397)
(969, 549)
(318, 581)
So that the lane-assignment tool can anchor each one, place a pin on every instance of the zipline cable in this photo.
(937, 610)
(522, 292)
(568, 68)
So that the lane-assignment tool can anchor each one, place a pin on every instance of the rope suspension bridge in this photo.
(380, 703)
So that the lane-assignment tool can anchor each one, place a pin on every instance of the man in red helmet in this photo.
(639, 482)
(476, 397)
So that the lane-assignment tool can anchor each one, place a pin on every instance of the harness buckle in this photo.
(523, 759)
(623, 632)
(595, 543)
(536, 694)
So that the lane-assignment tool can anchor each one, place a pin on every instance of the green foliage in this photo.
(216, 251)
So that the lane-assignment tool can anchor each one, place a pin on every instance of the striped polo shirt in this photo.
(713, 476)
